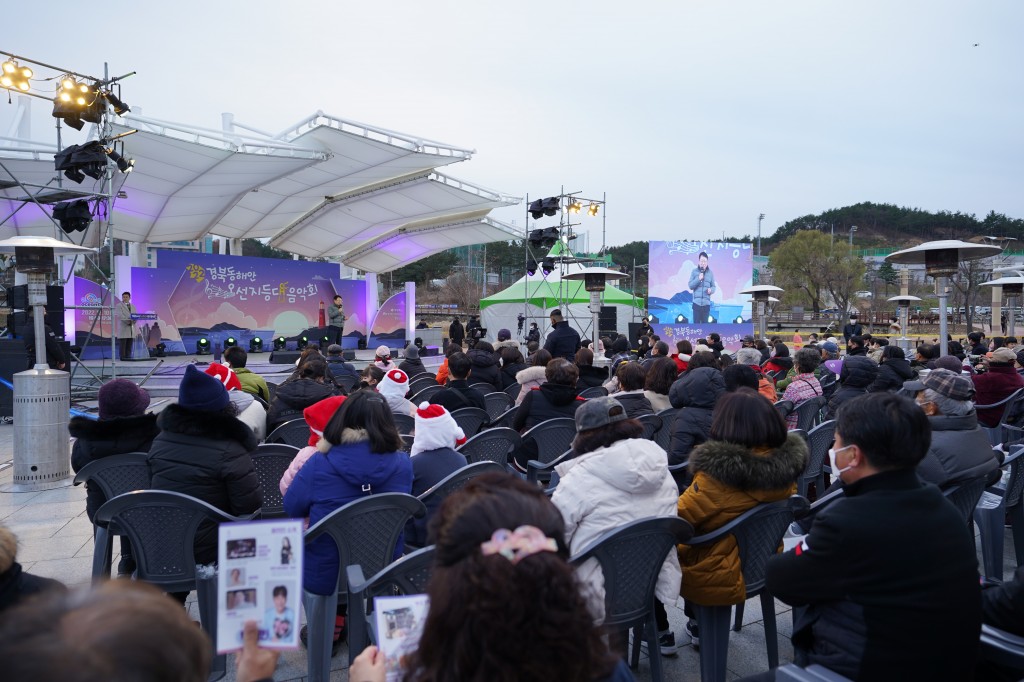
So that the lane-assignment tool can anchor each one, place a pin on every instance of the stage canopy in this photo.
(324, 187)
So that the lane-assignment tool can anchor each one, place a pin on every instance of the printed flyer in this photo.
(399, 624)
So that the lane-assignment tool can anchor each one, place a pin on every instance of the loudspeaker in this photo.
(608, 321)
(285, 357)
(361, 343)
(13, 359)
(17, 297)
(348, 354)
(634, 333)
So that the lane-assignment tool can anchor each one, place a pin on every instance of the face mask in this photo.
(832, 461)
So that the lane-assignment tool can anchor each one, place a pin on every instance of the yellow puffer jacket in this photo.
(728, 480)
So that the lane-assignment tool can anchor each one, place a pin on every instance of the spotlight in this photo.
(592, 210)
(15, 77)
(531, 267)
(73, 216)
(279, 343)
(230, 341)
(203, 346)
(574, 206)
(325, 341)
(680, 319)
(650, 318)
(115, 101)
(544, 207)
(124, 165)
(543, 238)
(255, 345)
(711, 319)
(738, 320)
(77, 161)
(303, 342)
(160, 350)
(546, 266)
(77, 102)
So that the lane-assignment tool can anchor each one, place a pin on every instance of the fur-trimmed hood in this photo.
(112, 429)
(741, 468)
(532, 373)
(212, 425)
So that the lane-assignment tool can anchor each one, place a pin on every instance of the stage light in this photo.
(531, 267)
(738, 320)
(77, 161)
(544, 207)
(77, 103)
(325, 341)
(711, 319)
(202, 346)
(15, 77)
(230, 341)
(279, 343)
(124, 165)
(547, 266)
(255, 345)
(303, 342)
(73, 216)
(680, 319)
(160, 350)
(574, 206)
(115, 101)
(592, 210)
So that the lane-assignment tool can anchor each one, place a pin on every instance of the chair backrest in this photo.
(405, 423)
(470, 419)
(346, 382)
(117, 474)
(270, 464)
(1015, 486)
(407, 440)
(1013, 414)
(593, 392)
(504, 420)
(457, 481)
(631, 557)
(497, 403)
(808, 412)
(784, 407)
(492, 445)
(421, 382)
(513, 391)
(408, 575)
(294, 432)
(366, 531)
(819, 440)
(758, 539)
(651, 423)
(483, 387)
(272, 389)
(680, 474)
(965, 495)
(426, 393)
(161, 526)
(1002, 648)
(553, 437)
(664, 435)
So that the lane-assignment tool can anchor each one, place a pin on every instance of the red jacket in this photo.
(681, 364)
(991, 387)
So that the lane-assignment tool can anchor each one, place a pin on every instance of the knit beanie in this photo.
(226, 376)
(435, 428)
(318, 414)
(122, 398)
(950, 362)
(412, 352)
(394, 385)
(202, 392)
(504, 335)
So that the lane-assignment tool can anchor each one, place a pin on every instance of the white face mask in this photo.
(832, 461)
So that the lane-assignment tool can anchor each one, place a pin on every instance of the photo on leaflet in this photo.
(241, 599)
(243, 548)
(279, 619)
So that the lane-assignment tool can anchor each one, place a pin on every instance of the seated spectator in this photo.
(620, 353)
(631, 376)
(643, 347)
(317, 416)
(952, 363)
(123, 426)
(996, 343)
(309, 385)
(442, 372)
(505, 340)
(17, 586)
(977, 345)
(804, 385)
(762, 348)
(382, 358)
(590, 376)
(749, 459)
(370, 377)
(725, 359)
(485, 365)
(997, 383)
(715, 344)
(925, 356)
(512, 363)
(695, 395)
(458, 394)
(658, 350)
(235, 357)
(412, 365)
(344, 373)
(502, 571)
(616, 477)
(434, 458)
(893, 371)
(858, 372)
(875, 348)
(362, 455)
(856, 345)
(740, 376)
(533, 376)
(555, 398)
(910, 612)
(682, 356)
(250, 412)
(394, 386)
(751, 357)
(203, 450)
(531, 349)
(780, 361)
(661, 374)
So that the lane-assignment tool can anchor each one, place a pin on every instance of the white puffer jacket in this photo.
(608, 488)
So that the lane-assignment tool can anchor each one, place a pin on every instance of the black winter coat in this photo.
(591, 376)
(412, 367)
(891, 375)
(344, 373)
(889, 577)
(485, 369)
(459, 395)
(508, 373)
(106, 437)
(859, 372)
(456, 332)
(206, 455)
(959, 450)
(429, 468)
(292, 397)
(16, 586)
(548, 401)
(563, 342)
(635, 404)
(696, 392)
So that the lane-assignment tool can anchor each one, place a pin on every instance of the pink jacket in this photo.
(293, 468)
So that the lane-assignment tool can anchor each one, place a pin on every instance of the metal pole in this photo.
(761, 327)
(1011, 314)
(941, 290)
(759, 219)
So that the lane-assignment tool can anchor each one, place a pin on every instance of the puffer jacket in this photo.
(250, 412)
(960, 450)
(485, 368)
(696, 392)
(206, 455)
(729, 479)
(858, 372)
(549, 401)
(591, 376)
(509, 372)
(777, 364)
(98, 439)
(608, 488)
(413, 367)
(891, 375)
(292, 397)
(635, 403)
(530, 378)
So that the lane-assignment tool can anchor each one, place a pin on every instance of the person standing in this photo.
(456, 333)
(126, 325)
(853, 328)
(563, 341)
(702, 284)
(336, 318)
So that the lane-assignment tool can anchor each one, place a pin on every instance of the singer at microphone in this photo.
(702, 284)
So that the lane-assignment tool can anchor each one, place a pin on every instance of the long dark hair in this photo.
(661, 374)
(747, 419)
(365, 409)
(500, 620)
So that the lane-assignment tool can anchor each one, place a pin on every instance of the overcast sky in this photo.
(693, 117)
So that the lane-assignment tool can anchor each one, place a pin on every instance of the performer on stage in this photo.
(336, 318)
(702, 284)
(126, 327)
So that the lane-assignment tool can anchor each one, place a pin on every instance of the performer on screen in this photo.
(702, 284)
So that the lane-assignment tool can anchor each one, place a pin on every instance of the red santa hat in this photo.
(394, 385)
(435, 428)
(318, 414)
(226, 376)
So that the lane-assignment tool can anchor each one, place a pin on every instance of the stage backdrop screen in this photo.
(695, 290)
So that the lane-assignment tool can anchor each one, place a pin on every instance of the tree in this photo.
(437, 266)
(254, 247)
(809, 266)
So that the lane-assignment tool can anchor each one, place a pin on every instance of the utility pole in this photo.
(853, 228)
(759, 219)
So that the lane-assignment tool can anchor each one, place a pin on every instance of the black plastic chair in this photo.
(664, 435)
(1002, 648)
(784, 407)
(408, 575)
(272, 389)
(505, 419)
(293, 432)
(405, 423)
(513, 391)
(470, 419)
(1011, 414)
(366, 533)
(651, 423)
(758, 533)
(114, 475)
(552, 438)
(681, 475)
(996, 506)
(457, 481)
(965, 496)
(497, 403)
(271, 460)
(426, 393)
(407, 441)
(808, 413)
(819, 440)
(539, 472)
(421, 382)
(483, 387)
(492, 445)
(631, 558)
(593, 392)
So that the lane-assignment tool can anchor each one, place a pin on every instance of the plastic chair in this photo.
(293, 432)
(664, 435)
(421, 382)
(271, 460)
(631, 558)
(819, 440)
(405, 423)
(809, 413)
(492, 445)
(408, 575)
(513, 391)
(553, 437)
(812, 673)
(161, 526)
(593, 392)
(272, 389)
(483, 387)
(366, 533)
(504, 420)
(681, 475)
(965, 496)
(1011, 414)
(457, 481)
(651, 424)
(1002, 648)
(114, 475)
(426, 393)
(497, 403)
(758, 533)
(407, 441)
(992, 511)
(470, 419)
(784, 407)
(539, 472)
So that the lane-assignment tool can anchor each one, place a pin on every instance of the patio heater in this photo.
(761, 293)
(42, 396)
(1013, 287)
(942, 259)
(903, 303)
(594, 281)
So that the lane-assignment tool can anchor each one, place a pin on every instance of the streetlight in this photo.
(1013, 287)
(759, 219)
(853, 228)
(761, 294)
